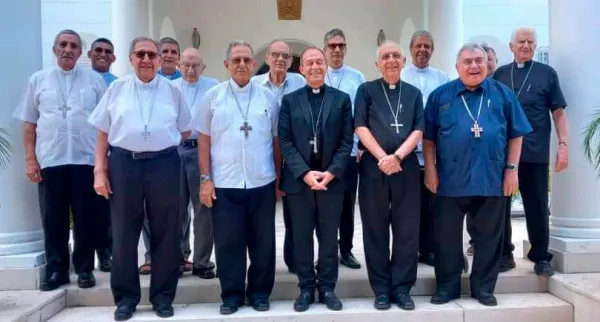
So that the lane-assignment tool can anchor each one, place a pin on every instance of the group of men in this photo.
(138, 150)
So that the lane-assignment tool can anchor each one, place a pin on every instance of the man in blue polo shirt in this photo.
(473, 134)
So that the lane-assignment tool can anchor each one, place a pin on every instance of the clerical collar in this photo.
(390, 86)
(420, 70)
(237, 87)
(315, 91)
(194, 84)
(67, 72)
(525, 64)
(336, 70)
(144, 85)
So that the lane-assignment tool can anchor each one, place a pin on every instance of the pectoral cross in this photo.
(476, 130)
(246, 128)
(64, 110)
(313, 142)
(146, 133)
(397, 126)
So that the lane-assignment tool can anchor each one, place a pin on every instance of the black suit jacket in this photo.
(295, 133)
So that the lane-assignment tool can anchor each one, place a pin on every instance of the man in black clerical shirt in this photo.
(315, 133)
(537, 88)
(389, 123)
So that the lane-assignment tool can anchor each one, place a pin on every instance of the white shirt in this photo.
(194, 93)
(291, 83)
(426, 80)
(140, 116)
(238, 161)
(59, 103)
(347, 80)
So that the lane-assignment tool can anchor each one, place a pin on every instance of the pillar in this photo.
(130, 19)
(21, 235)
(575, 205)
(446, 24)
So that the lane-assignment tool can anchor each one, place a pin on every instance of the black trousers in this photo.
(153, 178)
(390, 201)
(488, 229)
(69, 189)
(533, 185)
(245, 219)
(320, 210)
(103, 235)
(347, 218)
(288, 239)
(426, 222)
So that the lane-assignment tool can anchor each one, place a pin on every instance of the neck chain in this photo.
(315, 125)
(150, 102)
(69, 90)
(341, 78)
(398, 106)
(195, 93)
(475, 129)
(246, 127)
(512, 81)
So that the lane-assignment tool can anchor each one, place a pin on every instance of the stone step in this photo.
(526, 307)
(351, 284)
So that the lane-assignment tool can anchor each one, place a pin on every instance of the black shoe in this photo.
(261, 305)
(427, 259)
(405, 302)
(104, 265)
(228, 307)
(486, 299)
(304, 300)
(86, 280)
(54, 281)
(124, 312)
(507, 262)
(330, 300)
(543, 268)
(163, 310)
(205, 274)
(349, 261)
(382, 302)
(441, 297)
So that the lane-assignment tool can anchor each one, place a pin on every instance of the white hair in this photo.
(387, 42)
(516, 32)
(471, 47)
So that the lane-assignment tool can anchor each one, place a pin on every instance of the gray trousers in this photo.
(202, 222)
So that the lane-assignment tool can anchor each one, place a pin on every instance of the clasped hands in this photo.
(389, 164)
(317, 180)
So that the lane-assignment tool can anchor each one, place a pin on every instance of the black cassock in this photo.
(309, 209)
(390, 200)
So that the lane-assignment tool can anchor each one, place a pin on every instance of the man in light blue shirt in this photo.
(169, 58)
(102, 56)
(280, 82)
(346, 79)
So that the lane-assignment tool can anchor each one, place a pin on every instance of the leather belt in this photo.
(188, 144)
(142, 155)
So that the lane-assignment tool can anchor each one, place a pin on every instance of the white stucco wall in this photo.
(491, 21)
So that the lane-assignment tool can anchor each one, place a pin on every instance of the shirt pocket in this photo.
(447, 119)
(87, 99)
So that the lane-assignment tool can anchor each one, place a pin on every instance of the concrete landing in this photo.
(30, 306)
(512, 307)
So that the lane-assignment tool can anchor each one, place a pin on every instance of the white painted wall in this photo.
(491, 21)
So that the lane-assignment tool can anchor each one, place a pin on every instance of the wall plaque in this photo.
(289, 9)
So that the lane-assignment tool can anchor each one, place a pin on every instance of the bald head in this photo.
(278, 57)
(191, 65)
(390, 61)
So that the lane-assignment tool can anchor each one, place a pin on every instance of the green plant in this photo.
(5, 149)
(591, 142)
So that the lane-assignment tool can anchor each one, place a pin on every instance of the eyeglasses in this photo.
(101, 50)
(391, 55)
(239, 60)
(188, 66)
(276, 55)
(140, 54)
(333, 46)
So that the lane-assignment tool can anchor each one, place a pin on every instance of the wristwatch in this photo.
(204, 178)
(511, 167)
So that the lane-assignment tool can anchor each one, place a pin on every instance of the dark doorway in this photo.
(295, 68)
